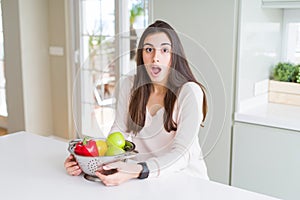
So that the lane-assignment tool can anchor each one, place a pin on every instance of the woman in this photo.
(160, 109)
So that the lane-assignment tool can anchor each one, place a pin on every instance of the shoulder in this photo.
(190, 99)
(190, 94)
(190, 88)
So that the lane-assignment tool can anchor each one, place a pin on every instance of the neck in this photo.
(159, 89)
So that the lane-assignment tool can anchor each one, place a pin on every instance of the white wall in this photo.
(13, 65)
(36, 83)
(35, 66)
(62, 116)
(209, 27)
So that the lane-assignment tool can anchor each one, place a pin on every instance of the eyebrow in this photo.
(162, 44)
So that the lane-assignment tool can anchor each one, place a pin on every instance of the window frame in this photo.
(289, 16)
(3, 118)
(77, 57)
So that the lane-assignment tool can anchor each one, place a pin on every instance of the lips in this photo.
(155, 70)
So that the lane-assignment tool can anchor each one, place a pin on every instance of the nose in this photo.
(156, 56)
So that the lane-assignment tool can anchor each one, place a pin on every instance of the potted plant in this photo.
(284, 86)
(298, 75)
(136, 11)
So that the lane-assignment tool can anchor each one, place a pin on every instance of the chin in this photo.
(158, 80)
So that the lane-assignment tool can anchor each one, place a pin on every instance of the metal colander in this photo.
(90, 165)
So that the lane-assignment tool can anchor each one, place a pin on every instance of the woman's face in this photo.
(157, 57)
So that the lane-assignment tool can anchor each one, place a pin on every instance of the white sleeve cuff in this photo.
(153, 167)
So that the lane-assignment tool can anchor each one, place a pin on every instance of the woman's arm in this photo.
(124, 88)
(185, 147)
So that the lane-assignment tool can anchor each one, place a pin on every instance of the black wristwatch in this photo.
(145, 171)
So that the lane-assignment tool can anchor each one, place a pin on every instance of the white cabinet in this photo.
(280, 3)
(266, 160)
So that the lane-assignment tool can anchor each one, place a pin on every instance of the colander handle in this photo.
(72, 144)
(125, 156)
(129, 154)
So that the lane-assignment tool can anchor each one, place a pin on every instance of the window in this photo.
(291, 36)
(107, 32)
(3, 108)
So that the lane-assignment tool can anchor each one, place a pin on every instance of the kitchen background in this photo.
(248, 142)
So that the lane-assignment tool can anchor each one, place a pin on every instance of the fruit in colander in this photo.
(87, 147)
(102, 147)
(90, 164)
(117, 139)
(113, 150)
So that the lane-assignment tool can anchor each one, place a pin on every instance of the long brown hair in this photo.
(180, 73)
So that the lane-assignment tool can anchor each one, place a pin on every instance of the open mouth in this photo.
(155, 70)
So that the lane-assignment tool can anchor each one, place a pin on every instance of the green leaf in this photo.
(286, 72)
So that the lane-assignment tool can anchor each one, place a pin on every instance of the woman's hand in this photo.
(124, 172)
(72, 166)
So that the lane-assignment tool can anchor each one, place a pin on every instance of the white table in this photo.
(31, 167)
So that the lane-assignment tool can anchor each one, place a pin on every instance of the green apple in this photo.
(117, 139)
(113, 150)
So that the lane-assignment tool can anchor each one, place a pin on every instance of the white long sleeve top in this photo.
(167, 152)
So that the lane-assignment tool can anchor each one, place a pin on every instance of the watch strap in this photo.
(145, 171)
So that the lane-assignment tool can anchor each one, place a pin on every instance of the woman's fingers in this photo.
(71, 166)
(101, 176)
(69, 158)
(122, 173)
(109, 180)
(74, 170)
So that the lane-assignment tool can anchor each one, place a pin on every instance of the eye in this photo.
(149, 49)
(165, 50)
